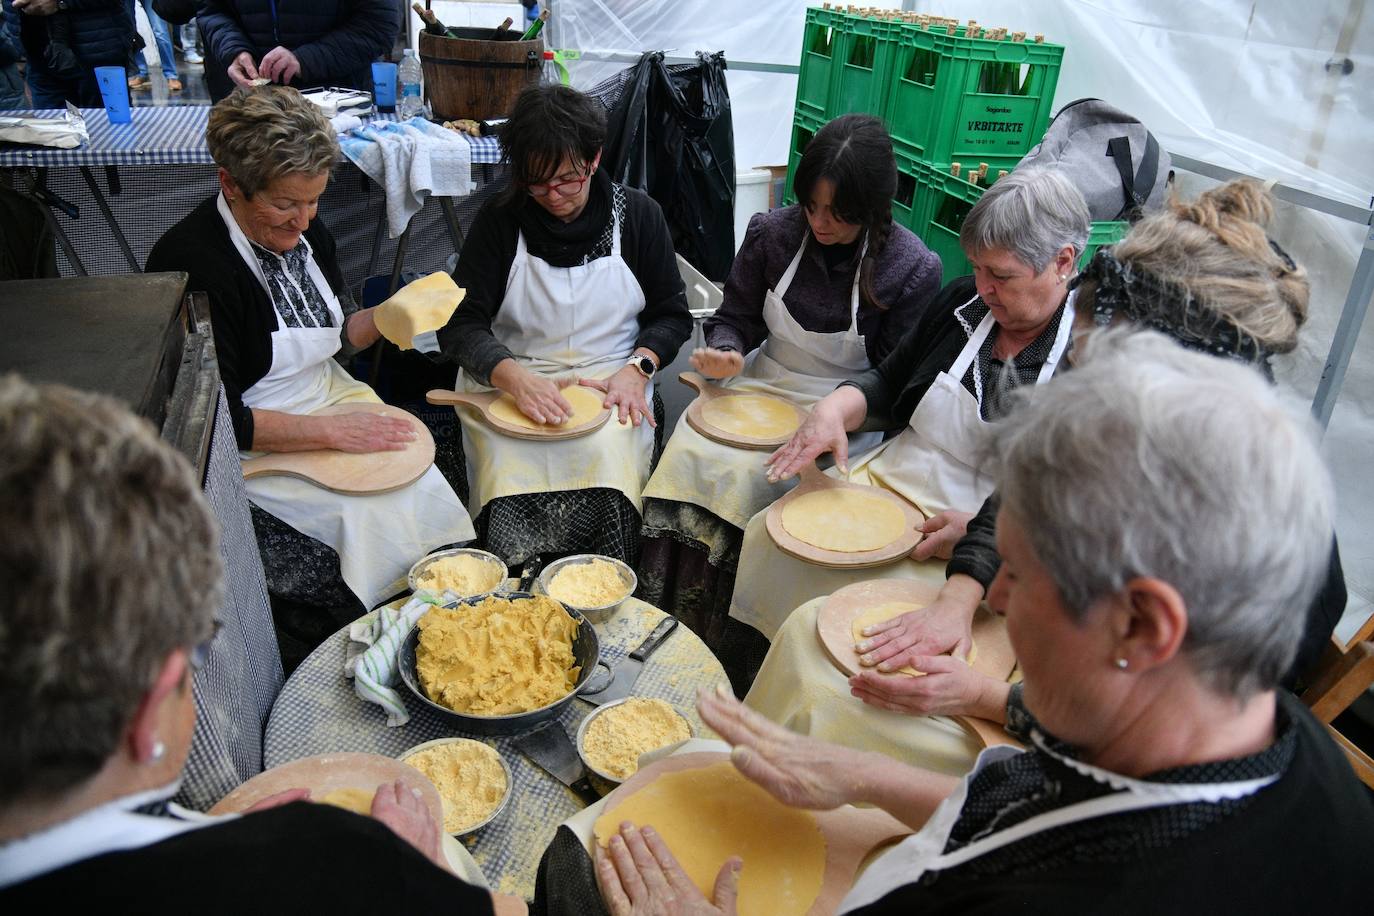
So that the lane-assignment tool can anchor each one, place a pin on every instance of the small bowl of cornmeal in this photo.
(612, 739)
(593, 584)
(464, 571)
(473, 780)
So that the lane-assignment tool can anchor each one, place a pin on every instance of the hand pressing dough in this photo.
(751, 415)
(881, 612)
(359, 801)
(709, 814)
(424, 305)
(844, 520)
(586, 405)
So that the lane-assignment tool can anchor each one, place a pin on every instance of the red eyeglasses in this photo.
(564, 188)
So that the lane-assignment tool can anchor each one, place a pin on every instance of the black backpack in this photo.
(1109, 155)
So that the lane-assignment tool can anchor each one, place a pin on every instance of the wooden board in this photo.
(850, 833)
(350, 473)
(326, 772)
(706, 392)
(834, 629)
(812, 480)
(481, 401)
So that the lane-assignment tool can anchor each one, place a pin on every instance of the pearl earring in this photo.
(159, 751)
(1122, 664)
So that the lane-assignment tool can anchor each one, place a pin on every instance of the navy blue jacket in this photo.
(101, 31)
(335, 40)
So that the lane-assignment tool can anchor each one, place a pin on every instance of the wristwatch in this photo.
(645, 365)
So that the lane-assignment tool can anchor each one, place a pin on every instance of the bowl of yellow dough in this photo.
(593, 584)
(464, 571)
(473, 780)
(611, 739)
(499, 664)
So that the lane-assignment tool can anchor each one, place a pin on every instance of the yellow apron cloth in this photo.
(800, 688)
(793, 363)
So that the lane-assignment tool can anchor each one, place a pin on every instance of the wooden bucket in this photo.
(478, 75)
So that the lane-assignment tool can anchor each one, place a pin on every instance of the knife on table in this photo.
(628, 669)
(551, 749)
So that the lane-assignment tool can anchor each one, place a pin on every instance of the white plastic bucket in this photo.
(751, 196)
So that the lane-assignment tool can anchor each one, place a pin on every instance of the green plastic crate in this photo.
(1100, 236)
(863, 63)
(969, 100)
(803, 129)
(908, 202)
(817, 76)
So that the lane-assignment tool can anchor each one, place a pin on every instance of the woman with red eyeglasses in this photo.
(570, 278)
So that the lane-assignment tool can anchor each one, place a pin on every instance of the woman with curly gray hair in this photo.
(281, 312)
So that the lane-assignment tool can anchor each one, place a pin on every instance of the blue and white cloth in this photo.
(375, 670)
(410, 160)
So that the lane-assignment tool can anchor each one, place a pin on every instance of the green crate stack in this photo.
(1100, 236)
(969, 100)
(818, 61)
(863, 61)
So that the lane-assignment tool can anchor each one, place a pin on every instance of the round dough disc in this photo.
(586, 404)
(880, 612)
(708, 814)
(753, 415)
(844, 520)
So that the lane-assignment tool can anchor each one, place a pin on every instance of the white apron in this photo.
(377, 537)
(906, 862)
(563, 323)
(793, 363)
(930, 464)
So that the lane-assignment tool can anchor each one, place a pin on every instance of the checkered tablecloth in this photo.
(172, 135)
(317, 712)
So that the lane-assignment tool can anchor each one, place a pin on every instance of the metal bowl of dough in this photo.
(597, 612)
(610, 781)
(498, 568)
(586, 652)
(505, 768)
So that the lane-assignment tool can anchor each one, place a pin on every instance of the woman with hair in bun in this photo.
(819, 292)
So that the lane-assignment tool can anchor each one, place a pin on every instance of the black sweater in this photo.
(240, 310)
(484, 266)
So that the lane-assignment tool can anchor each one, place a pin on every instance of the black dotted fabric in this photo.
(999, 378)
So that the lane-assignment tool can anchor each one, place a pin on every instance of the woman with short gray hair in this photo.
(281, 312)
(1005, 326)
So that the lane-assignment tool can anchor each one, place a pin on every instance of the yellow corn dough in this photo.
(469, 777)
(879, 613)
(497, 657)
(463, 574)
(586, 404)
(359, 801)
(615, 739)
(586, 585)
(844, 519)
(709, 814)
(751, 415)
(424, 305)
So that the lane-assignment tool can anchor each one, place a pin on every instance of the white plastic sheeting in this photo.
(1261, 87)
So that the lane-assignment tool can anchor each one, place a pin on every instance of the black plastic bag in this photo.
(671, 135)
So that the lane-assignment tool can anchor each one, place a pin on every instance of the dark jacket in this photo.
(99, 32)
(335, 40)
(240, 310)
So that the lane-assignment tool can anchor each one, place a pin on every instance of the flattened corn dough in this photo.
(709, 814)
(881, 612)
(463, 574)
(424, 305)
(586, 404)
(469, 777)
(591, 584)
(359, 801)
(617, 737)
(497, 657)
(751, 415)
(844, 520)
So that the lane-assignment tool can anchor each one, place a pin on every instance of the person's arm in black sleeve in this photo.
(738, 324)
(918, 292)
(976, 553)
(483, 266)
(363, 37)
(219, 27)
(665, 323)
(882, 384)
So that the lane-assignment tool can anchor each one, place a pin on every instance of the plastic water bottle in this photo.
(408, 76)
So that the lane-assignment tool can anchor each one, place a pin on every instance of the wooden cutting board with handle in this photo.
(993, 654)
(850, 833)
(326, 773)
(481, 401)
(812, 480)
(708, 392)
(350, 473)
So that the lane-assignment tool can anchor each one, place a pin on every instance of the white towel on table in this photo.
(410, 160)
(374, 671)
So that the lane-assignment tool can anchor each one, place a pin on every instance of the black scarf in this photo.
(566, 244)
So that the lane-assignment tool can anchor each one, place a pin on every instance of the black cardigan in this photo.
(240, 310)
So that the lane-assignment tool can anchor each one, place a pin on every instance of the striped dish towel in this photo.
(374, 670)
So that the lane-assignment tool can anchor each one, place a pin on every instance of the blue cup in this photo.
(384, 85)
(114, 89)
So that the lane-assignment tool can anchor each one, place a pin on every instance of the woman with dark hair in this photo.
(568, 276)
(819, 293)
